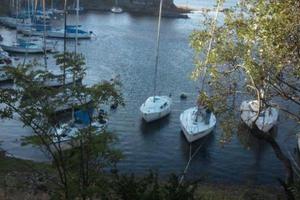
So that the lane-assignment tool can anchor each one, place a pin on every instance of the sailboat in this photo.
(49, 79)
(25, 46)
(199, 121)
(59, 32)
(69, 32)
(196, 123)
(265, 120)
(116, 8)
(64, 134)
(156, 107)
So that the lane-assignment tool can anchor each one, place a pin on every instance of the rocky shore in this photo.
(138, 7)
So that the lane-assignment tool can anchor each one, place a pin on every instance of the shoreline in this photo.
(15, 174)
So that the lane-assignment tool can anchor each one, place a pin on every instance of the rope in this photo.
(157, 47)
(191, 156)
(213, 28)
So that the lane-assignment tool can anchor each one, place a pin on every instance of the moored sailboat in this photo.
(156, 107)
(199, 121)
(264, 119)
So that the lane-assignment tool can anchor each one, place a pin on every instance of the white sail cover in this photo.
(195, 125)
(266, 120)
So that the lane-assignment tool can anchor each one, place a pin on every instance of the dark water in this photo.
(125, 45)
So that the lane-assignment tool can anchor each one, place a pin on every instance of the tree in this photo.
(255, 54)
(79, 167)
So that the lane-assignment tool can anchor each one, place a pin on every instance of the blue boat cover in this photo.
(83, 116)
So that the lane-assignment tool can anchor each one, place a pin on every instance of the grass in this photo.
(17, 181)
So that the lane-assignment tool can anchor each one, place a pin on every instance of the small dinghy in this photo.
(196, 123)
(116, 9)
(266, 120)
(156, 107)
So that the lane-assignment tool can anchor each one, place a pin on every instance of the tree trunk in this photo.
(283, 158)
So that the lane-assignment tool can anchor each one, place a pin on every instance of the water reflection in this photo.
(200, 147)
(250, 142)
(155, 126)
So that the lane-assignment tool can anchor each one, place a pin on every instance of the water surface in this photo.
(125, 46)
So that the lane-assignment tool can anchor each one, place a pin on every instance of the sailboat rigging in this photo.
(199, 121)
(156, 107)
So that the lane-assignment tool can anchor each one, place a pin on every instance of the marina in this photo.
(155, 130)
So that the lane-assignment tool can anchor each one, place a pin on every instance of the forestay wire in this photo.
(157, 47)
(213, 28)
(212, 33)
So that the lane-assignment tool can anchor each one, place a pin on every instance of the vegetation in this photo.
(79, 162)
(21, 179)
(254, 54)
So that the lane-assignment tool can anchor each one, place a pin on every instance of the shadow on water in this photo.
(202, 146)
(250, 142)
(155, 126)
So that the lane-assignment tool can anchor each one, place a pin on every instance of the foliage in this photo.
(150, 188)
(81, 161)
(252, 53)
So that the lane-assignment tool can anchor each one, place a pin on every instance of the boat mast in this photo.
(213, 28)
(65, 41)
(44, 34)
(76, 41)
(77, 24)
(157, 48)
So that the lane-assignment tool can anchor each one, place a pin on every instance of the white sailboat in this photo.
(116, 8)
(59, 33)
(50, 79)
(195, 124)
(199, 121)
(265, 120)
(69, 32)
(65, 133)
(156, 107)
(22, 46)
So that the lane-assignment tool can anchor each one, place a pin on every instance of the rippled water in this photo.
(125, 45)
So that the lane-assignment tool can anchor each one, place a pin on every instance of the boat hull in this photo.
(57, 34)
(193, 130)
(150, 115)
(265, 122)
(17, 49)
